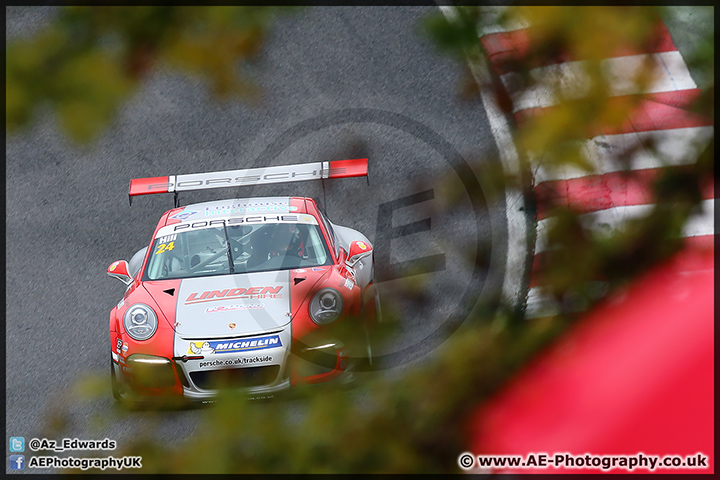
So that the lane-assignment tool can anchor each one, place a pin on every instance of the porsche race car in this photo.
(245, 292)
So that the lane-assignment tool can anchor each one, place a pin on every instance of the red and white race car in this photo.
(246, 291)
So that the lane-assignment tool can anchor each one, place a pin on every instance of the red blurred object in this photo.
(635, 375)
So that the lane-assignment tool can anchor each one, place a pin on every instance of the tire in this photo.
(368, 346)
(119, 391)
(115, 384)
(369, 327)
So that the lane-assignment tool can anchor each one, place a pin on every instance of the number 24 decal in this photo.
(165, 247)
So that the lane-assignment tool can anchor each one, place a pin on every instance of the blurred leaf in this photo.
(87, 62)
(456, 36)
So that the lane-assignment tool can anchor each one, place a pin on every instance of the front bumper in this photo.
(208, 395)
(257, 364)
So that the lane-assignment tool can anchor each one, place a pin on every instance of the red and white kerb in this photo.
(660, 115)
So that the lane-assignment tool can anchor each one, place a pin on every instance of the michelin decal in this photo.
(234, 346)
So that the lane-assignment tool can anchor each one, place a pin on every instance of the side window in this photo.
(136, 261)
(331, 232)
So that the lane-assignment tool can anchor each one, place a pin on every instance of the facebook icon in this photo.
(17, 462)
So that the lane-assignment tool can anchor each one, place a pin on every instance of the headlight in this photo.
(140, 321)
(326, 306)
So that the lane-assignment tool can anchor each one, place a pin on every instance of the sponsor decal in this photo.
(232, 326)
(362, 245)
(166, 243)
(167, 238)
(119, 344)
(236, 361)
(349, 284)
(125, 347)
(252, 292)
(248, 207)
(299, 270)
(234, 346)
(184, 214)
(114, 266)
(247, 219)
(319, 269)
(228, 308)
(251, 176)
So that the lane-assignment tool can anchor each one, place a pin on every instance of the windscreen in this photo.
(226, 249)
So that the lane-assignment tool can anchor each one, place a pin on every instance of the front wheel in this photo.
(120, 390)
(371, 318)
(368, 346)
(116, 387)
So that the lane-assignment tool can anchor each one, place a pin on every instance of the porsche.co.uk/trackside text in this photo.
(236, 362)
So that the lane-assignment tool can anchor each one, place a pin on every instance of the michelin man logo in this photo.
(203, 348)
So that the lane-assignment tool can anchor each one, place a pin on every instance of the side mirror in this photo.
(119, 270)
(358, 251)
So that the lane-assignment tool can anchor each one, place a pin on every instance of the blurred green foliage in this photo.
(90, 59)
(413, 424)
(416, 421)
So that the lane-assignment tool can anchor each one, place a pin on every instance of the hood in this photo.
(233, 305)
(304, 283)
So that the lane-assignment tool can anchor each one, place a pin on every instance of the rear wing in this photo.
(250, 176)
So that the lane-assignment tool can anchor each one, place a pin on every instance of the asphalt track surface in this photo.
(339, 83)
